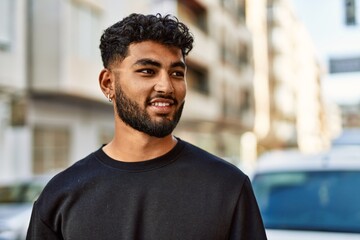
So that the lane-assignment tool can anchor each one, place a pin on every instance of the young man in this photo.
(146, 183)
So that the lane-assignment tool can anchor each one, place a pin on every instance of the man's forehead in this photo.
(152, 47)
(156, 52)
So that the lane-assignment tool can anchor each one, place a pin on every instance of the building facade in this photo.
(247, 93)
(53, 112)
(336, 35)
(290, 111)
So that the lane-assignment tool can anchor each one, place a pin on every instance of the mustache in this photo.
(164, 96)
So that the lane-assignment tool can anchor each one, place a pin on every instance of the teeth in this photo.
(160, 104)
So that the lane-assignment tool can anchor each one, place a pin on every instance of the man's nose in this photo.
(164, 84)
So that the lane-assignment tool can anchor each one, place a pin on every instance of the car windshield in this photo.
(20, 193)
(319, 201)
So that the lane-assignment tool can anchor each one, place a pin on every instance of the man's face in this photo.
(150, 88)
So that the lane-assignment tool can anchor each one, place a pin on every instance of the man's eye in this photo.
(178, 74)
(146, 71)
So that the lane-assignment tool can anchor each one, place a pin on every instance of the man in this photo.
(146, 183)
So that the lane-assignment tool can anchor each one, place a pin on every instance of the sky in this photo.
(325, 22)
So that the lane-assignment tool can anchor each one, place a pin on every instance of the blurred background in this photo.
(264, 75)
(276, 79)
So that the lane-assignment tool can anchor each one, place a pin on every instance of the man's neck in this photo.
(130, 145)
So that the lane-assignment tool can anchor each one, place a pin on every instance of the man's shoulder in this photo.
(204, 160)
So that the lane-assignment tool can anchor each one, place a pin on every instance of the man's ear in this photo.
(106, 82)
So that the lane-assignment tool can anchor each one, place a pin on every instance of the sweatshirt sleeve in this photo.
(38, 229)
(247, 222)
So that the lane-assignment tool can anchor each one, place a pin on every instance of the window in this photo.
(245, 100)
(350, 12)
(51, 148)
(236, 8)
(309, 200)
(236, 101)
(241, 10)
(343, 65)
(85, 30)
(193, 12)
(6, 11)
(233, 51)
(197, 79)
(243, 53)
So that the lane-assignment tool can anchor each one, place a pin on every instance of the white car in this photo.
(16, 201)
(310, 197)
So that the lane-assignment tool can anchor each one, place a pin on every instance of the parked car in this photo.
(350, 136)
(310, 197)
(16, 201)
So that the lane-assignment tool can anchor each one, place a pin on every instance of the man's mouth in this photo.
(162, 101)
(160, 104)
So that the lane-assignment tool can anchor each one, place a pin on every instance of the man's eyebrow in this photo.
(178, 64)
(148, 61)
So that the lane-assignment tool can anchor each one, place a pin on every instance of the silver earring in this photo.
(110, 100)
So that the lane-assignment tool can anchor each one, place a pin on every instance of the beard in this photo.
(136, 117)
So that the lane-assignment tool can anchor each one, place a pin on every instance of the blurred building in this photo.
(290, 110)
(53, 112)
(336, 35)
(253, 84)
(351, 116)
(341, 55)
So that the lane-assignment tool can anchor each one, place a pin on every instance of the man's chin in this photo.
(160, 119)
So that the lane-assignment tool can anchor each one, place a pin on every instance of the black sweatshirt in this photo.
(185, 194)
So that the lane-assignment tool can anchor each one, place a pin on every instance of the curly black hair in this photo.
(167, 30)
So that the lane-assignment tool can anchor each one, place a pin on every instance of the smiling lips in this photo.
(162, 105)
